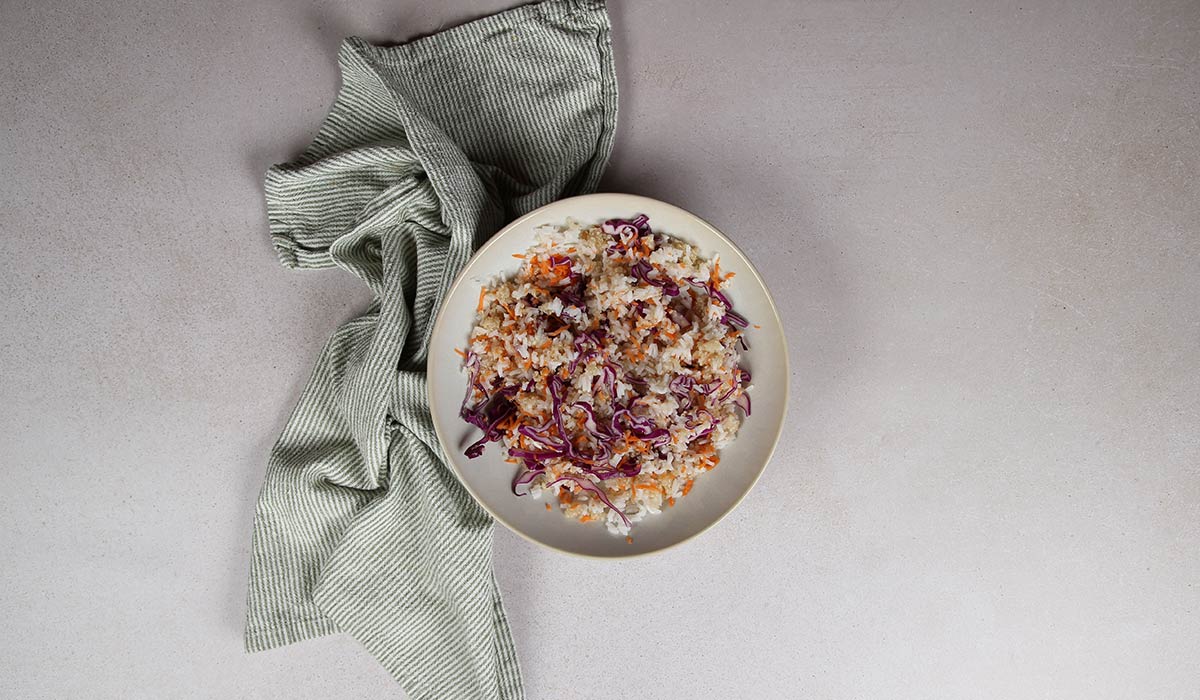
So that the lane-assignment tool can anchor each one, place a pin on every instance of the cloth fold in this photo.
(428, 149)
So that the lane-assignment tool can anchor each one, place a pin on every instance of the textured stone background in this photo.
(981, 224)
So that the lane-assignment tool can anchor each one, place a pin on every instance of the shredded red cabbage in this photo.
(608, 379)
(639, 224)
(580, 358)
(498, 408)
(681, 384)
(595, 429)
(583, 338)
(733, 318)
(538, 435)
(527, 477)
(556, 394)
(642, 269)
(593, 488)
(572, 293)
(636, 382)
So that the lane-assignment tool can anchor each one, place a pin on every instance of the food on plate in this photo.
(608, 369)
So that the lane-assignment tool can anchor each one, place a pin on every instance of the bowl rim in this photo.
(624, 200)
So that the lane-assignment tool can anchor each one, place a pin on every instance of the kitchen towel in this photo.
(428, 149)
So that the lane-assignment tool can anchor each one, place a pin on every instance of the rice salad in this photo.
(608, 370)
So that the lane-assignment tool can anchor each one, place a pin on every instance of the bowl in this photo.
(488, 477)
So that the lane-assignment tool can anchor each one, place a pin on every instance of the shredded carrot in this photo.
(648, 487)
(592, 462)
(585, 519)
(519, 256)
(629, 539)
(461, 354)
(554, 270)
(482, 291)
(554, 333)
(671, 502)
(635, 442)
(757, 327)
(571, 249)
(687, 488)
(510, 460)
(547, 506)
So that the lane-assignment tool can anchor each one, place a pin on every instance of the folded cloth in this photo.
(428, 149)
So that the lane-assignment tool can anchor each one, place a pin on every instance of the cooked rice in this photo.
(590, 317)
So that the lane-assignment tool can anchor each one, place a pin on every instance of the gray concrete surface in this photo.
(982, 222)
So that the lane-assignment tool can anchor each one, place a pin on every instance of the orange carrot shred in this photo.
(547, 506)
(519, 256)
(461, 354)
(482, 291)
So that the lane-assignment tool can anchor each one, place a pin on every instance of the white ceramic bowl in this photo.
(488, 478)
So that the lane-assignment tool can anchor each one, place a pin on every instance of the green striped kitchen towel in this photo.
(428, 149)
